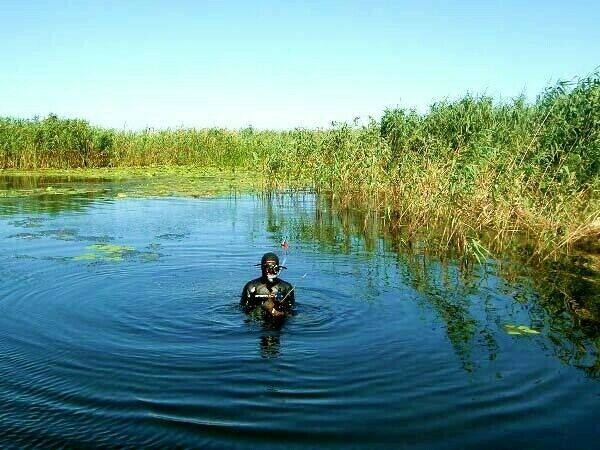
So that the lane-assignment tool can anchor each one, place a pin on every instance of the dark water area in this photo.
(120, 327)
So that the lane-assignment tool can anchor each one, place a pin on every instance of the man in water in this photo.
(274, 296)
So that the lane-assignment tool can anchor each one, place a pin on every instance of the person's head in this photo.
(269, 266)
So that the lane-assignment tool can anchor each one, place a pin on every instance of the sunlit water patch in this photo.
(120, 326)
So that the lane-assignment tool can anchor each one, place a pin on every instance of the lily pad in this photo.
(27, 236)
(149, 256)
(105, 252)
(30, 222)
(517, 330)
(86, 257)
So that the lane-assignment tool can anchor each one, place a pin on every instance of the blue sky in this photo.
(280, 64)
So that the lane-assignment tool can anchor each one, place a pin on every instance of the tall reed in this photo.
(464, 166)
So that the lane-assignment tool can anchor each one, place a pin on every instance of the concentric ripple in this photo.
(136, 352)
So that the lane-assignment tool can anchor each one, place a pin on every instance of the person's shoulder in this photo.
(251, 283)
(285, 284)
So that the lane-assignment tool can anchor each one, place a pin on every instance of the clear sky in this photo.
(280, 64)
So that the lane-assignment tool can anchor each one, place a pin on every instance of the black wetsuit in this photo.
(260, 290)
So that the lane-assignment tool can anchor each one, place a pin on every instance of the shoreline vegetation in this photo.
(475, 174)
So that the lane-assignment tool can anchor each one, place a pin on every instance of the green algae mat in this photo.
(131, 182)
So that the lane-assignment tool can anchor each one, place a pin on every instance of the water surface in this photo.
(120, 326)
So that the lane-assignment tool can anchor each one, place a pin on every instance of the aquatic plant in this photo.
(560, 297)
(105, 252)
(468, 167)
(519, 330)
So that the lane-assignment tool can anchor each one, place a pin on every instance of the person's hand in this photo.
(269, 306)
(276, 313)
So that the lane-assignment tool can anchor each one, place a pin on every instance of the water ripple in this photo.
(158, 354)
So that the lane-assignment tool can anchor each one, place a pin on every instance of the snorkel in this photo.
(284, 247)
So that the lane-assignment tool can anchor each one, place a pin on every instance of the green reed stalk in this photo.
(466, 166)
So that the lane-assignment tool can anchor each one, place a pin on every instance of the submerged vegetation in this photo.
(559, 298)
(473, 174)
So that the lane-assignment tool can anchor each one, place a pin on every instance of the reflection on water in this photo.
(560, 297)
(120, 326)
(270, 339)
(270, 333)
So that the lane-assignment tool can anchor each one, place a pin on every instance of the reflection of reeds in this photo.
(465, 167)
(561, 295)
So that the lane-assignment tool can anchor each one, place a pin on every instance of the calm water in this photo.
(120, 326)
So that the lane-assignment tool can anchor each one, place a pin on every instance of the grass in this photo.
(475, 172)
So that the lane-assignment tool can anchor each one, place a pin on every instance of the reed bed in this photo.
(468, 168)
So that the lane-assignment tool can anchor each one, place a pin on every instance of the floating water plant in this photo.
(105, 252)
(517, 330)
(115, 253)
(30, 222)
